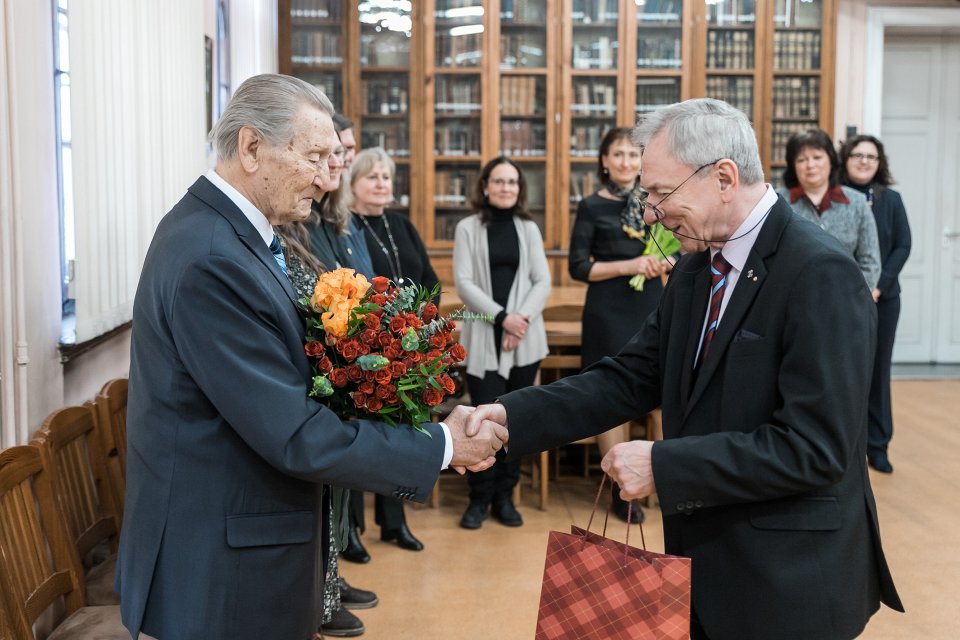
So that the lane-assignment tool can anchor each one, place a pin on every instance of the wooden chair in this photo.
(70, 447)
(37, 575)
(111, 405)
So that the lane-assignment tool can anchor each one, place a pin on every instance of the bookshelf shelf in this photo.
(543, 80)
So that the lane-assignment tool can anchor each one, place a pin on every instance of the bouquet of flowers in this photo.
(661, 242)
(379, 351)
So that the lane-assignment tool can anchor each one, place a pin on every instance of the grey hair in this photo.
(266, 103)
(365, 161)
(702, 131)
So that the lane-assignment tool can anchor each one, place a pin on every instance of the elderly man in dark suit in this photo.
(760, 356)
(227, 457)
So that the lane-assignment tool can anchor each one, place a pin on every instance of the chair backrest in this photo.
(36, 559)
(111, 405)
(563, 313)
(70, 447)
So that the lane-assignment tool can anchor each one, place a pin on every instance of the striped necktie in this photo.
(719, 269)
(277, 251)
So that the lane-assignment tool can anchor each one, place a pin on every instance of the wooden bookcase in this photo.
(446, 85)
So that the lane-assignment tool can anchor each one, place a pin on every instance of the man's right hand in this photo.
(474, 450)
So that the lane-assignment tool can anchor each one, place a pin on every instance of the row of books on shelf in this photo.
(653, 93)
(523, 11)
(796, 98)
(796, 50)
(585, 139)
(316, 9)
(458, 51)
(394, 141)
(385, 97)
(582, 184)
(522, 96)
(735, 90)
(445, 223)
(457, 95)
(590, 11)
(525, 51)
(593, 99)
(316, 47)
(456, 140)
(659, 11)
(452, 187)
(730, 49)
(377, 51)
(595, 52)
(780, 135)
(659, 50)
(523, 138)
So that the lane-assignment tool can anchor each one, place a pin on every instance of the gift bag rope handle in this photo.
(606, 517)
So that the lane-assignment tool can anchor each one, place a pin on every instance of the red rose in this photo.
(364, 349)
(349, 349)
(383, 376)
(433, 354)
(369, 376)
(430, 312)
(392, 353)
(371, 321)
(378, 299)
(431, 397)
(398, 324)
(314, 349)
(437, 341)
(397, 369)
(325, 366)
(368, 336)
(413, 321)
(367, 388)
(458, 353)
(338, 377)
(354, 373)
(374, 404)
(380, 284)
(331, 340)
(392, 399)
(410, 364)
(384, 339)
(384, 391)
(414, 356)
(448, 384)
(359, 399)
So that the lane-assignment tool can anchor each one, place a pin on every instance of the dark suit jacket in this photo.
(225, 451)
(761, 474)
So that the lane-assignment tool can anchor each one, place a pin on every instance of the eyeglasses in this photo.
(500, 182)
(864, 157)
(656, 207)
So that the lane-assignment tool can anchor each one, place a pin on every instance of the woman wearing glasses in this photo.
(812, 178)
(608, 246)
(864, 167)
(500, 269)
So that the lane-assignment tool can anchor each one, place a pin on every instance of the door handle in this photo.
(950, 233)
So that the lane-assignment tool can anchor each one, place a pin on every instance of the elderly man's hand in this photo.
(474, 451)
(630, 464)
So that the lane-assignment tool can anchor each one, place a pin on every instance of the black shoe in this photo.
(354, 551)
(880, 462)
(343, 624)
(474, 516)
(619, 506)
(404, 538)
(507, 514)
(353, 598)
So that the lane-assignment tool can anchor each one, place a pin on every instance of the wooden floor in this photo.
(470, 585)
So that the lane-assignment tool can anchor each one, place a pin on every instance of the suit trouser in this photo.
(388, 511)
(880, 412)
(497, 482)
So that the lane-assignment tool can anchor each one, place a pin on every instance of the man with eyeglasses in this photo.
(760, 358)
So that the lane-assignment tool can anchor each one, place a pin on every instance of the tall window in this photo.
(223, 59)
(61, 79)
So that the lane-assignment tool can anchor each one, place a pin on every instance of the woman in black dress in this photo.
(864, 167)
(398, 253)
(606, 250)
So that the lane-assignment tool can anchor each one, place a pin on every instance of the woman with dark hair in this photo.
(864, 167)
(608, 246)
(500, 269)
(813, 190)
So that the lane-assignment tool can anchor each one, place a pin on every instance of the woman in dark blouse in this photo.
(606, 250)
(864, 167)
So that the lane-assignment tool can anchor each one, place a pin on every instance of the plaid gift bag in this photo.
(598, 588)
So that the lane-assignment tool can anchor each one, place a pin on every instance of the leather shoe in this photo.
(880, 462)
(355, 551)
(507, 514)
(474, 516)
(404, 538)
(353, 598)
(343, 624)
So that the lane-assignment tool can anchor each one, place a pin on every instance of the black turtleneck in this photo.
(504, 250)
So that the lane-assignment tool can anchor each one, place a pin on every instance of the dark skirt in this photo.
(612, 315)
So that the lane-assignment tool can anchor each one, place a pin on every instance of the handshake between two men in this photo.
(479, 433)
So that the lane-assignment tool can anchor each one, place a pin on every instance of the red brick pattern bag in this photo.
(599, 589)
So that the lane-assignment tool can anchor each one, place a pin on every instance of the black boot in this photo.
(353, 598)
(343, 624)
(619, 507)
(354, 551)
(404, 538)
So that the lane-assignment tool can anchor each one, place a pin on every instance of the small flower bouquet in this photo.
(379, 351)
(662, 244)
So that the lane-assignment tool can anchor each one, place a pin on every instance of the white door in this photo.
(921, 132)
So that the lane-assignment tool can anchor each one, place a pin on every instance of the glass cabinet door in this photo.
(659, 54)
(317, 46)
(731, 53)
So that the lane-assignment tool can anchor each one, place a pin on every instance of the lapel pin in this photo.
(750, 274)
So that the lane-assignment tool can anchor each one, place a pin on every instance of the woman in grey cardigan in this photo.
(500, 270)
(813, 190)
